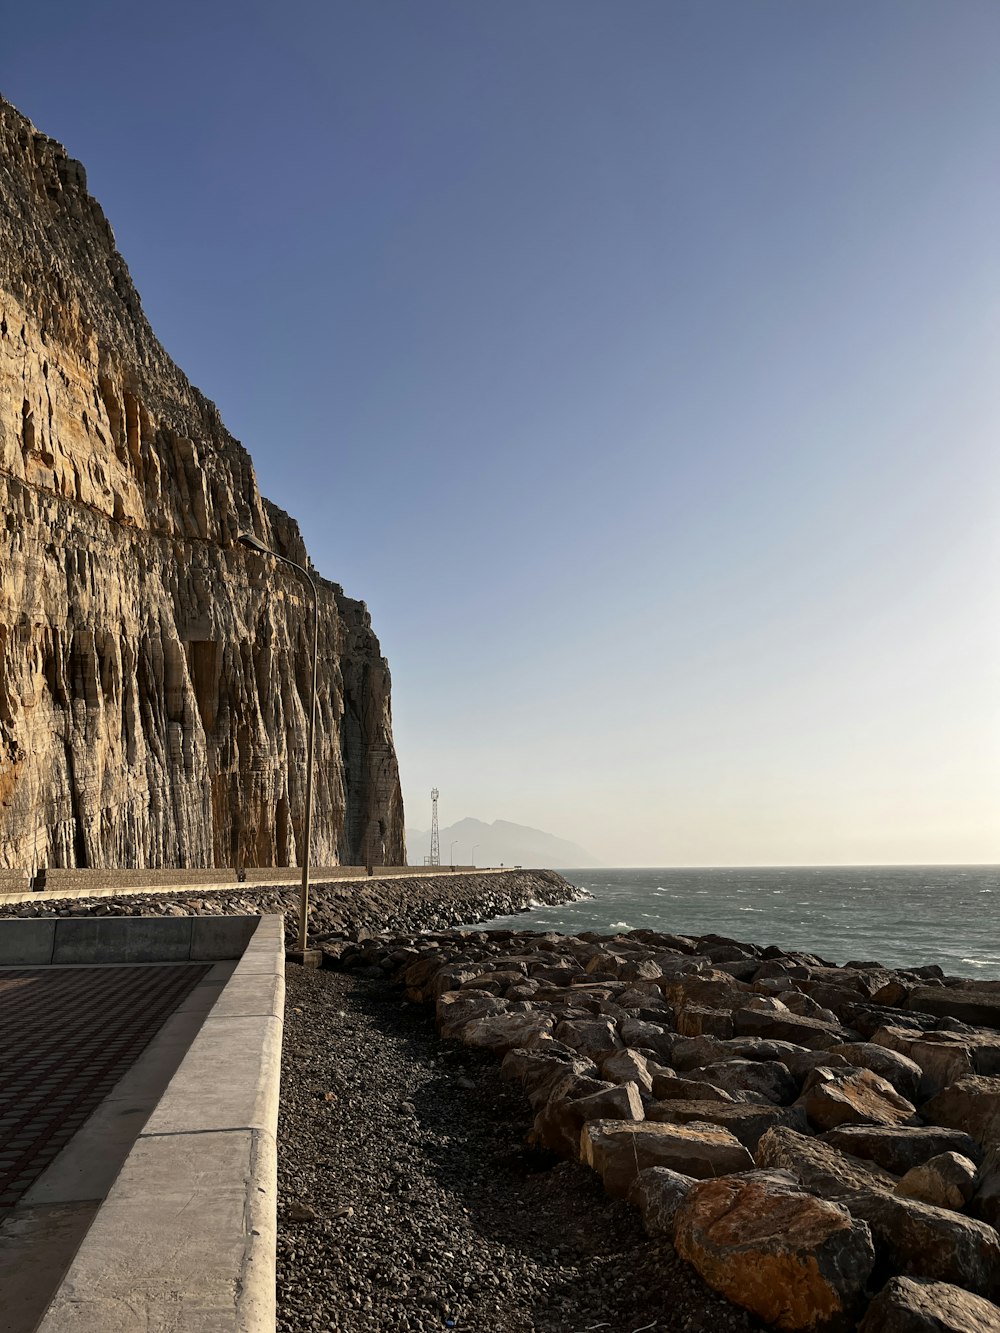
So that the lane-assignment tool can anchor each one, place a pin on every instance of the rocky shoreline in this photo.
(817, 1144)
(347, 910)
(820, 1143)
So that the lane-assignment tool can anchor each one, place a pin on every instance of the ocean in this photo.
(901, 916)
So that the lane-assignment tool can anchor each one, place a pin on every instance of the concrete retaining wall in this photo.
(41, 941)
(16, 885)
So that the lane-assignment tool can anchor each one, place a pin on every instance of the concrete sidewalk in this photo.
(159, 1213)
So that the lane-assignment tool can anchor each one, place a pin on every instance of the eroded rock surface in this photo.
(154, 675)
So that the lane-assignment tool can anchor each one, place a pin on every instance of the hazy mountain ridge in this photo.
(496, 843)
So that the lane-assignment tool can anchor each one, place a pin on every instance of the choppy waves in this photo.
(902, 916)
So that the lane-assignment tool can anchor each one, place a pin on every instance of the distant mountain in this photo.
(496, 843)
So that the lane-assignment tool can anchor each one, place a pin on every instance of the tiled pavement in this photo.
(67, 1035)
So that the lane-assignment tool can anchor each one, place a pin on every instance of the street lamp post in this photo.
(474, 846)
(249, 540)
(451, 853)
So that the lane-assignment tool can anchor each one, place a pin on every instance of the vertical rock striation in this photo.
(154, 675)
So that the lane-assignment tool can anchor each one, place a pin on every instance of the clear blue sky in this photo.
(636, 361)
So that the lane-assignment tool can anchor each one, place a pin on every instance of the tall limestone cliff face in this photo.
(154, 675)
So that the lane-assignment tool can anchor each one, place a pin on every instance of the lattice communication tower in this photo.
(435, 857)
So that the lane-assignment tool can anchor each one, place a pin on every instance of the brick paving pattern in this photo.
(67, 1035)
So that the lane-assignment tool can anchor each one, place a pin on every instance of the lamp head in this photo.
(254, 543)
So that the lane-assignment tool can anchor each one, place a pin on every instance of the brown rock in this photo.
(921, 1241)
(705, 990)
(753, 1080)
(809, 1032)
(538, 1071)
(743, 1119)
(674, 1089)
(658, 1192)
(985, 1203)
(627, 1067)
(979, 1008)
(698, 1021)
(918, 1305)
(618, 1150)
(832, 1097)
(943, 1057)
(156, 715)
(903, 1073)
(639, 1034)
(946, 1181)
(971, 1104)
(593, 1037)
(505, 1032)
(795, 1261)
(899, 1149)
(559, 1123)
(819, 1166)
(455, 1008)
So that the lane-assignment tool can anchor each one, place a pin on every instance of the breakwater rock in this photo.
(821, 1152)
(345, 910)
(154, 674)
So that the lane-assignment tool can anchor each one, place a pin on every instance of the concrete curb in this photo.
(186, 1239)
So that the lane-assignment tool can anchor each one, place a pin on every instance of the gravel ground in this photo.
(409, 1201)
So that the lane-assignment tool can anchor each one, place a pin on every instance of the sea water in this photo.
(901, 916)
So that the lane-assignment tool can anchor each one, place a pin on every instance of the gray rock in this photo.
(920, 1305)
(900, 1148)
(658, 1192)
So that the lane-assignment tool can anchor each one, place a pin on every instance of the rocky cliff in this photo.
(154, 675)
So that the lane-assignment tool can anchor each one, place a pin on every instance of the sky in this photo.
(636, 361)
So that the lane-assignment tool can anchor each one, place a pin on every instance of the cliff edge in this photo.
(154, 675)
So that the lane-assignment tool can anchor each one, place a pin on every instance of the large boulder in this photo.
(558, 1124)
(694, 1052)
(675, 1089)
(832, 1097)
(919, 1240)
(658, 1192)
(980, 1008)
(455, 1008)
(707, 990)
(627, 1067)
(943, 1057)
(541, 1072)
(985, 1202)
(696, 1020)
(593, 1037)
(819, 1167)
(640, 1034)
(501, 1033)
(619, 1149)
(946, 1181)
(903, 1073)
(752, 1080)
(918, 1305)
(971, 1104)
(810, 1032)
(899, 1149)
(795, 1261)
(744, 1119)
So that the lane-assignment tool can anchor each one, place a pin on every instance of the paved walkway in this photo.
(67, 1035)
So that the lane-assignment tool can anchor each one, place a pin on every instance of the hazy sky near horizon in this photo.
(636, 361)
